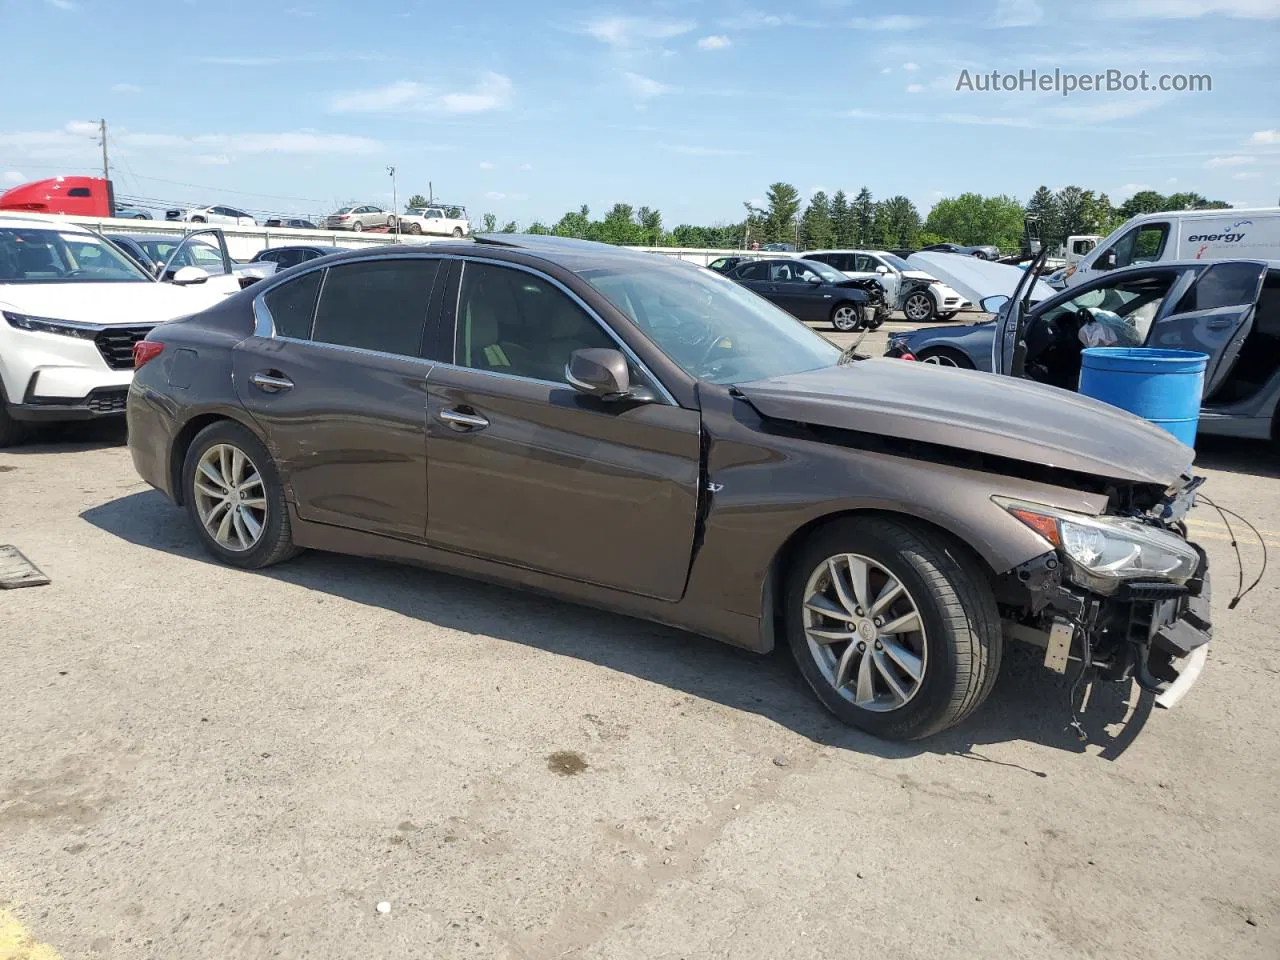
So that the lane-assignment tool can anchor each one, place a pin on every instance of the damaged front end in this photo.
(1126, 594)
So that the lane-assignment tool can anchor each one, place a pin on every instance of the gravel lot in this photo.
(201, 762)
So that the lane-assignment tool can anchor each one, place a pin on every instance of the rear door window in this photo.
(376, 305)
(1222, 285)
(754, 271)
(292, 305)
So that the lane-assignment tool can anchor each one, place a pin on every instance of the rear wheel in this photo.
(945, 357)
(415, 228)
(199, 220)
(357, 227)
(918, 307)
(235, 498)
(457, 231)
(391, 223)
(895, 629)
(846, 317)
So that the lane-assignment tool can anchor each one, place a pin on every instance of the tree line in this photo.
(862, 222)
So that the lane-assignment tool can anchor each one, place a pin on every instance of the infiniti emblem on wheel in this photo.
(867, 630)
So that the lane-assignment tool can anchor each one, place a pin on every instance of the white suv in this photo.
(919, 295)
(71, 308)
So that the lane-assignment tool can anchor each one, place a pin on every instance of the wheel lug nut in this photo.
(862, 646)
(878, 621)
(879, 645)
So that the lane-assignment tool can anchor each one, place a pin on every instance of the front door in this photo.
(803, 293)
(523, 469)
(1214, 317)
(340, 388)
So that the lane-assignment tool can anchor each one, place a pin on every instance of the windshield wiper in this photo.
(850, 353)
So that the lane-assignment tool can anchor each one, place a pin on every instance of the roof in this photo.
(173, 238)
(38, 223)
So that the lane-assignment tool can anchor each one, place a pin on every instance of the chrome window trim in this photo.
(582, 304)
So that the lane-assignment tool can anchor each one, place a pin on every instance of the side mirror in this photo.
(187, 276)
(812, 279)
(881, 269)
(993, 304)
(598, 372)
(1107, 261)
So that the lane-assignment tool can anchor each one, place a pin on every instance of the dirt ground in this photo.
(200, 762)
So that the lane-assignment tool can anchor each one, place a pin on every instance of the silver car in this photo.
(1227, 309)
(362, 217)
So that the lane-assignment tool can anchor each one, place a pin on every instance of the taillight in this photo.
(145, 350)
(906, 355)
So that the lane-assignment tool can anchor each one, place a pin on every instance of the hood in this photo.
(109, 303)
(971, 410)
(975, 278)
(918, 275)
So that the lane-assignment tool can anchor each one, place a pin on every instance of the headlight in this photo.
(65, 328)
(1104, 551)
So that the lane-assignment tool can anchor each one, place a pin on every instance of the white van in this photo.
(1184, 235)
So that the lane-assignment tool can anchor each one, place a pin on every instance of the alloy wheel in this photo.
(940, 360)
(865, 632)
(230, 497)
(845, 318)
(917, 307)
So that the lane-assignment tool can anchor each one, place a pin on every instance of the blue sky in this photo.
(529, 109)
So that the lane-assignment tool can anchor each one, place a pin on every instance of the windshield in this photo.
(715, 329)
(896, 262)
(55, 256)
(344, 209)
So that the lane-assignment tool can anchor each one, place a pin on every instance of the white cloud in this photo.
(631, 31)
(63, 4)
(891, 22)
(125, 88)
(714, 41)
(495, 195)
(699, 151)
(1189, 9)
(1234, 160)
(915, 88)
(1017, 13)
(749, 19)
(643, 86)
(910, 67)
(1104, 111)
(491, 92)
(861, 114)
(78, 138)
(887, 70)
(487, 165)
(1172, 180)
(13, 176)
(213, 159)
(240, 61)
(1246, 175)
(1129, 189)
(525, 167)
(974, 119)
(1266, 136)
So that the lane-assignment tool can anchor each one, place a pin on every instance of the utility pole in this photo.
(102, 133)
(391, 171)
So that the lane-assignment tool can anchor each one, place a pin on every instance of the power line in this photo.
(243, 193)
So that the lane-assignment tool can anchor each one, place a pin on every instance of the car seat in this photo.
(37, 258)
(483, 346)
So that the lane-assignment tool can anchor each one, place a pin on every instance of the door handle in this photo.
(270, 383)
(461, 420)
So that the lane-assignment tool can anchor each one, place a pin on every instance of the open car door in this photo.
(1214, 317)
(1007, 347)
(228, 282)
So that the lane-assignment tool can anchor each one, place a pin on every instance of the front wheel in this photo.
(12, 432)
(945, 357)
(415, 228)
(391, 223)
(918, 307)
(896, 631)
(199, 220)
(235, 498)
(846, 317)
(357, 227)
(457, 232)
(948, 315)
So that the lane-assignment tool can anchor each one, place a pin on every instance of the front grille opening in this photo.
(116, 345)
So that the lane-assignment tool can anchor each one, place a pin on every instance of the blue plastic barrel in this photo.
(1163, 386)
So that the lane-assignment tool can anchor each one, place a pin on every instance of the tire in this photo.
(918, 307)
(946, 357)
(847, 317)
(274, 541)
(955, 655)
(877, 319)
(391, 223)
(948, 315)
(415, 228)
(199, 220)
(12, 432)
(457, 232)
(357, 227)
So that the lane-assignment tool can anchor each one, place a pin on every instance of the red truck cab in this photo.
(82, 196)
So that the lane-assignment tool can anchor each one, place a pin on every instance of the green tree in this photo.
(1105, 218)
(973, 219)
(510, 227)
(619, 226)
(490, 222)
(1077, 211)
(651, 223)
(782, 207)
(1193, 201)
(575, 223)
(862, 215)
(1043, 205)
(538, 227)
(1144, 201)
(840, 235)
(896, 222)
(417, 200)
(816, 229)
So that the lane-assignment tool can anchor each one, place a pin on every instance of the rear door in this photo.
(336, 376)
(755, 277)
(1214, 317)
(525, 470)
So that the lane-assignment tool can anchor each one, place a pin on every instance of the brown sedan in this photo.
(640, 434)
